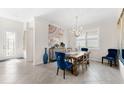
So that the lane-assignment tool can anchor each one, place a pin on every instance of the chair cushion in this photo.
(68, 65)
(105, 57)
(109, 58)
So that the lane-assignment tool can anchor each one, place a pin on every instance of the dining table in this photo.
(76, 58)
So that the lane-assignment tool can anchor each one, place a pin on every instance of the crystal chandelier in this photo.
(76, 29)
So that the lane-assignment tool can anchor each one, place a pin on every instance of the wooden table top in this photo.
(76, 54)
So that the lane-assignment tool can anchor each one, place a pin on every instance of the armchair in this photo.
(62, 64)
(111, 56)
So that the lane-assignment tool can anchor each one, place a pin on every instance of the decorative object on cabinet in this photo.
(45, 57)
(68, 49)
(62, 44)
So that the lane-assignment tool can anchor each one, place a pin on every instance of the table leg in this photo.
(75, 68)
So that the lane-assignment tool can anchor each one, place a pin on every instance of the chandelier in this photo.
(76, 28)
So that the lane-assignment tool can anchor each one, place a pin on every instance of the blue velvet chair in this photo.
(62, 64)
(84, 49)
(111, 56)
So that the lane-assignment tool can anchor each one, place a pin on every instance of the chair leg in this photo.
(102, 60)
(64, 73)
(111, 63)
(115, 63)
(72, 69)
(86, 66)
(88, 62)
(57, 71)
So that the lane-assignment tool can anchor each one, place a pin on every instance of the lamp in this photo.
(76, 29)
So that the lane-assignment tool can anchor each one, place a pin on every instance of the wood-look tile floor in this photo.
(20, 72)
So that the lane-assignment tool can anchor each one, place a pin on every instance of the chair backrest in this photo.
(60, 58)
(84, 49)
(112, 53)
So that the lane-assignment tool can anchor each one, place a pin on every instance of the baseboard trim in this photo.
(6, 59)
(2, 60)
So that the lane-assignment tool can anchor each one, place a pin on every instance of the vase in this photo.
(45, 57)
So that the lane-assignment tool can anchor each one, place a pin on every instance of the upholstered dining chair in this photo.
(62, 64)
(111, 56)
(84, 60)
(84, 49)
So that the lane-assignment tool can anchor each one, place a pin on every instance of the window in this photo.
(81, 41)
(7, 44)
(89, 39)
(10, 44)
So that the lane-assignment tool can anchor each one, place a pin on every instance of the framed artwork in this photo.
(55, 34)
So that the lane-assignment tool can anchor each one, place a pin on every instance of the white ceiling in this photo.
(23, 14)
(63, 16)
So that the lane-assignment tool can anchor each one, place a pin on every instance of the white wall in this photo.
(65, 37)
(121, 67)
(121, 31)
(17, 27)
(29, 45)
(109, 37)
(29, 28)
(40, 35)
(41, 39)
